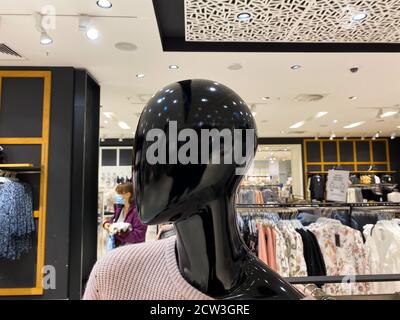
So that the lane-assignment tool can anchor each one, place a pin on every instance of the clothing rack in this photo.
(344, 279)
(320, 280)
(318, 205)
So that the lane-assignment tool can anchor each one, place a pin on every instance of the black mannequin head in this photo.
(172, 190)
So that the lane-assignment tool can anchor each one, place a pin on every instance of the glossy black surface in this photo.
(199, 198)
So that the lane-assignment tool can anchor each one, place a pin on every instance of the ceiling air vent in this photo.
(6, 53)
(309, 97)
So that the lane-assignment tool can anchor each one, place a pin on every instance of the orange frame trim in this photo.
(43, 141)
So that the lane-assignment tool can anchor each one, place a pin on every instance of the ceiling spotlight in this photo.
(45, 39)
(359, 16)
(377, 135)
(334, 121)
(173, 67)
(345, 138)
(316, 138)
(297, 125)
(108, 114)
(388, 114)
(295, 67)
(120, 139)
(244, 16)
(92, 33)
(321, 114)
(85, 24)
(353, 125)
(105, 121)
(265, 98)
(124, 125)
(140, 75)
(393, 136)
(102, 139)
(362, 138)
(352, 98)
(105, 4)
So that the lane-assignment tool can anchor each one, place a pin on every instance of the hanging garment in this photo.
(343, 252)
(16, 220)
(317, 187)
(312, 254)
(382, 248)
(281, 257)
(293, 250)
(394, 197)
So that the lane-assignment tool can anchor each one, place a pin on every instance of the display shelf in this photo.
(19, 167)
(352, 171)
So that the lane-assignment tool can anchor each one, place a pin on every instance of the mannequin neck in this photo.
(209, 248)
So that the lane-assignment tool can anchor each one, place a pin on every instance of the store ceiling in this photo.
(253, 75)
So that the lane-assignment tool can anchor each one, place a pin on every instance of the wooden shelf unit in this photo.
(42, 141)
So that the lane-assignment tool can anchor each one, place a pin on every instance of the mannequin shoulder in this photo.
(118, 273)
(132, 256)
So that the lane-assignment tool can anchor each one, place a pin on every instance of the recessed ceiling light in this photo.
(105, 4)
(125, 46)
(92, 33)
(297, 125)
(265, 98)
(353, 125)
(173, 67)
(321, 114)
(352, 98)
(295, 67)
(388, 114)
(244, 16)
(124, 125)
(108, 114)
(140, 75)
(398, 127)
(105, 121)
(359, 16)
(334, 121)
(45, 39)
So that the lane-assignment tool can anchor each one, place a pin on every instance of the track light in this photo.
(393, 136)
(86, 25)
(45, 39)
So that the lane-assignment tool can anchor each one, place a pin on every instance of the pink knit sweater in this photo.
(146, 271)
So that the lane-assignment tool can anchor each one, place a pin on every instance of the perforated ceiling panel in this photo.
(293, 21)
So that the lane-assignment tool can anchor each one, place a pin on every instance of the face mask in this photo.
(119, 199)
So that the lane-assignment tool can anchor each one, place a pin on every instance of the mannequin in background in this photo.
(125, 211)
(207, 259)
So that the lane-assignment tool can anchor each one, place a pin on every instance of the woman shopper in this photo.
(126, 213)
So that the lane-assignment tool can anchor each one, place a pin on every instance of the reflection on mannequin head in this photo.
(172, 190)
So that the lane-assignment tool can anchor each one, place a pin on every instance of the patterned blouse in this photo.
(344, 254)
